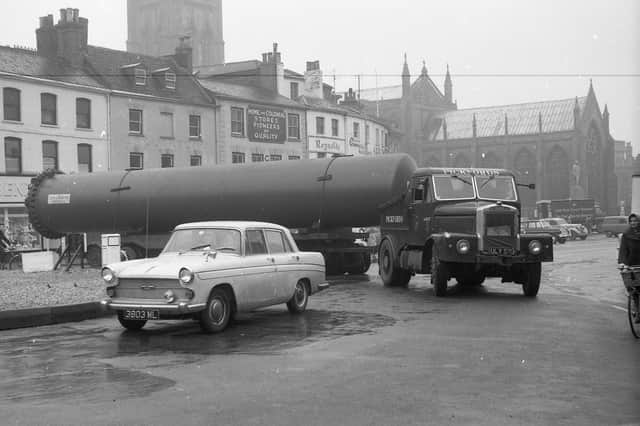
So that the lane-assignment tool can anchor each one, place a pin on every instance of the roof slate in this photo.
(522, 119)
(107, 65)
(247, 93)
(29, 63)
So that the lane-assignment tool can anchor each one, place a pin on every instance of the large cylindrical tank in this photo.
(336, 192)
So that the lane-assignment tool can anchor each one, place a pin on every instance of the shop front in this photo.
(13, 213)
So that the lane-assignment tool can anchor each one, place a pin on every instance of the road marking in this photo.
(619, 308)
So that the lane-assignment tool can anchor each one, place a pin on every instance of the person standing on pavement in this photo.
(5, 243)
(629, 252)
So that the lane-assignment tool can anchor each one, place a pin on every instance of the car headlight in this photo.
(463, 246)
(108, 275)
(186, 276)
(535, 247)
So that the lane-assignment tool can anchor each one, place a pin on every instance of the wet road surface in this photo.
(361, 354)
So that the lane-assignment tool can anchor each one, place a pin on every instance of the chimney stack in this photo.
(313, 80)
(67, 40)
(184, 54)
(46, 37)
(272, 71)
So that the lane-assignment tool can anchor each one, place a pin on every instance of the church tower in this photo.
(155, 28)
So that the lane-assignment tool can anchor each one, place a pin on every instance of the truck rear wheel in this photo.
(439, 276)
(391, 275)
(531, 284)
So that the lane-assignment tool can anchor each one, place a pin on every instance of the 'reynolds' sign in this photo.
(266, 124)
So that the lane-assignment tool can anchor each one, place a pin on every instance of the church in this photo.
(563, 146)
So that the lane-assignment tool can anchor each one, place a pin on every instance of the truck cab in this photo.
(461, 223)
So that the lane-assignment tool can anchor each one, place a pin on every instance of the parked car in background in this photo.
(212, 270)
(575, 230)
(614, 225)
(558, 234)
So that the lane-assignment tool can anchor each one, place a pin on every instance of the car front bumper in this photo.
(164, 308)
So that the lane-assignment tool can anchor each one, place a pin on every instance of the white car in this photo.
(212, 270)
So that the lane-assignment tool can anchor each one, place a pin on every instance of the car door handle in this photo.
(271, 259)
(295, 257)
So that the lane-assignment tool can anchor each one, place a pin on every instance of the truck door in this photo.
(419, 210)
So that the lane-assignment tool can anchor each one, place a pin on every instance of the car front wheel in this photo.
(298, 302)
(130, 324)
(217, 314)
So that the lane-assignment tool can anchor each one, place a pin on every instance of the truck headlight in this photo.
(186, 276)
(108, 275)
(463, 246)
(535, 247)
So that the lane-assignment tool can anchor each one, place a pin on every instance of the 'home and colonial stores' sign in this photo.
(266, 124)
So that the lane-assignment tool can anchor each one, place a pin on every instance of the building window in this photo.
(170, 80)
(135, 121)
(237, 157)
(356, 130)
(294, 157)
(50, 155)
(136, 160)
(12, 155)
(194, 126)
(196, 160)
(322, 154)
(49, 108)
(237, 122)
(140, 77)
(293, 125)
(275, 157)
(166, 161)
(11, 103)
(294, 90)
(83, 113)
(334, 127)
(257, 158)
(378, 147)
(366, 134)
(319, 125)
(84, 158)
(166, 125)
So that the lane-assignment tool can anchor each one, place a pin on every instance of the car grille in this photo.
(455, 224)
(148, 288)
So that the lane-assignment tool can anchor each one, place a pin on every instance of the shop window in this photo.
(275, 157)
(136, 160)
(13, 155)
(11, 103)
(237, 157)
(293, 125)
(257, 158)
(294, 157)
(83, 113)
(237, 122)
(194, 127)
(84, 158)
(195, 161)
(49, 155)
(49, 108)
(166, 161)
(135, 121)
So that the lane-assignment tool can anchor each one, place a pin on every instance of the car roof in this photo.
(234, 224)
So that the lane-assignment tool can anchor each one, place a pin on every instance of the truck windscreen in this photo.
(496, 188)
(453, 187)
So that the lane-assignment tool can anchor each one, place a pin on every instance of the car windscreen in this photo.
(496, 188)
(453, 187)
(219, 239)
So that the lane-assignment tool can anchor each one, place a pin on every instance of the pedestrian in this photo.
(629, 252)
(5, 243)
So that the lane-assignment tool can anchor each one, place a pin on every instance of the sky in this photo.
(499, 51)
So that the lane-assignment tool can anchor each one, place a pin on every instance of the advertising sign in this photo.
(13, 190)
(334, 146)
(266, 124)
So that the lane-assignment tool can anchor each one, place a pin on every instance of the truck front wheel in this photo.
(439, 276)
(391, 275)
(531, 284)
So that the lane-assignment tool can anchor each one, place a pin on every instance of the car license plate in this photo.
(502, 251)
(141, 314)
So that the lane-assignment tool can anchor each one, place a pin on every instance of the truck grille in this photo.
(500, 233)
